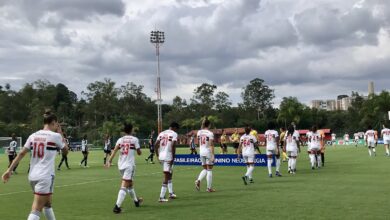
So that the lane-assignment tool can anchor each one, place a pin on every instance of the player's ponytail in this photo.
(49, 117)
(206, 122)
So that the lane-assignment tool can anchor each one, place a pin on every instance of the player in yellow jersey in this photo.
(254, 133)
(322, 134)
(281, 143)
(235, 138)
(223, 142)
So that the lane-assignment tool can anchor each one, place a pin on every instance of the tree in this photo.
(222, 101)
(257, 95)
(204, 94)
(290, 110)
(178, 103)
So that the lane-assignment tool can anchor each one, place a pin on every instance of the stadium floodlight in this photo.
(157, 38)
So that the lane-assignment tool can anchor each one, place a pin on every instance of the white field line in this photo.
(94, 181)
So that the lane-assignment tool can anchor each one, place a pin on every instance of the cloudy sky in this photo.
(303, 48)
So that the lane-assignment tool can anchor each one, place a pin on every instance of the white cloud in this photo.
(304, 48)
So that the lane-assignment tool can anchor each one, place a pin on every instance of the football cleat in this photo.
(172, 196)
(270, 175)
(117, 210)
(278, 174)
(245, 178)
(312, 168)
(162, 200)
(197, 185)
(211, 190)
(138, 202)
(251, 181)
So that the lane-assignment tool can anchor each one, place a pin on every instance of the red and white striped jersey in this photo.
(43, 145)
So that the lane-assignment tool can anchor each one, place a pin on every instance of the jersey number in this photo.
(203, 140)
(39, 150)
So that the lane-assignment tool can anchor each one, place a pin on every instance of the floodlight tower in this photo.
(157, 38)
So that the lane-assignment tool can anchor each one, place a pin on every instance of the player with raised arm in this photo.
(84, 151)
(370, 137)
(64, 156)
(291, 145)
(127, 146)
(12, 152)
(166, 151)
(206, 152)
(107, 148)
(247, 149)
(43, 144)
(314, 147)
(385, 133)
(272, 146)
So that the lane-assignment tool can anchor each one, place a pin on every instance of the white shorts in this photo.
(292, 153)
(128, 173)
(386, 141)
(371, 144)
(315, 149)
(206, 160)
(273, 152)
(167, 166)
(43, 187)
(249, 159)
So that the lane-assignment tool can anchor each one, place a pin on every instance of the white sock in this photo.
(277, 164)
(387, 151)
(202, 174)
(373, 149)
(269, 164)
(170, 186)
(251, 168)
(247, 171)
(289, 164)
(312, 159)
(132, 194)
(319, 160)
(209, 179)
(294, 163)
(163, 191)
(34, 215)
(49, 213)
(369, 152)
(121, 197)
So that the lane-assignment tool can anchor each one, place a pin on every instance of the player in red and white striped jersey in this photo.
(127, 146)
(165, 151)
(43, 145)
(386, 139)
(371, 138)
(207, 155)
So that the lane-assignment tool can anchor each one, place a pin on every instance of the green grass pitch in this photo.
(350, 186)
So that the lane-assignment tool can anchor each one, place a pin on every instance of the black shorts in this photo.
(236, 145)
(281, 143)
(107, 151)
(84, 152)
(224, 146)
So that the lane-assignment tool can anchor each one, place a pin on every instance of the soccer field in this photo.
(350, 186)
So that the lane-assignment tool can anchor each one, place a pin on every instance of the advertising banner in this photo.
(220, 160)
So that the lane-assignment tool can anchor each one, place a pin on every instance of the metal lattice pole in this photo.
(157, 38)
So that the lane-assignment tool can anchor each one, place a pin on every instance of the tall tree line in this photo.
(105, 105)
